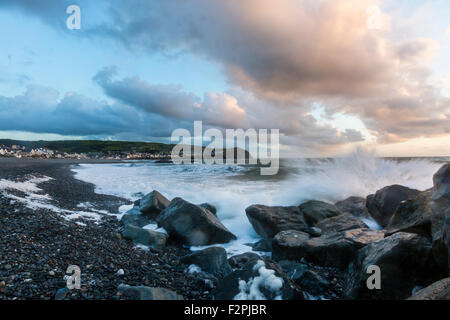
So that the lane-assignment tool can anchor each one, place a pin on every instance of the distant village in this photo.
(19, 151)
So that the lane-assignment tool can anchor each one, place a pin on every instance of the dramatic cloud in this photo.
(283, 54)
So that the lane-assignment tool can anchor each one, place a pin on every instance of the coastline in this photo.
(37, 245)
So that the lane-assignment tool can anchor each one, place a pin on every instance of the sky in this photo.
(331, 75)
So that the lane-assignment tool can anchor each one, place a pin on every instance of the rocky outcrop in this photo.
(335, 249)
(257, 280)
(353, 205)
(315, 211)
(268, 221)
(428, 214)
(209, 207)
(146, 237)
(193, 225)
(148, 293)
(439, 290)
(405, 261)
(212, 260)
(340, 223)
(153, 203)
(383, 204)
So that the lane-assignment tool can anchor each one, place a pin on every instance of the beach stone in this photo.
(383, 204)
(312, 283)
(353, 205)
(340, 223)
(315, 232)
(146, 237)
(237, 282)
(363, 236)
(153, 203)
(315, 211)
(268, 221)
(404, 261)
(293, 269)
(285, 244)
(439, 290)
(193, 225)
(61, 294)
(209, 207)
(212, 260)
(240, 260)
(148, 293)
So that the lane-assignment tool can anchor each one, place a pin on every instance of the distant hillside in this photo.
(86, 146)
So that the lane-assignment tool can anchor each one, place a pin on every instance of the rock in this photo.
(120, 272)
(51, 273)
(61, 294)
(362, 237)
(340, 223)
(153, 203)
(146, 237)
(293, 269)
(353, 205)
(209, 207)
(315, 232)
(312, 283)
(257, 280)
(439, 290)
(148, 293)
(315, 211)
(285, 244)
(428, 214)
(263, 245)
(193, 225)
(268, 221)
(212, 260)
(135, 218)
(240, 260)
(405, 261)
(331, 250)
(383, 204)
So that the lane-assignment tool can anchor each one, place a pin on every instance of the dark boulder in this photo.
(209, 207)
(147, 293)
(212, 260)
(146, 237)
(293, 269)
(135, 218)
(353, 205)
(193, 225)
(340, 223)
(315, 211)
(153, 203)
(383, 204)
(263, 245)
(285, 245)
(240, 260)
(268, 221)
(439, 290)
(258, 280)
(405, 261)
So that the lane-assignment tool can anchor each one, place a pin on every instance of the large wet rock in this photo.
(428, 214)
(315, 211)
(405, 261)
(209, 207)
(268, 221)
(212, 260)
(334, 250)
(134, 217)
(258, 280)
(439, 290)
(146, 237)
(353, 205)
(148, 293)
(193, 225)
(240, 260)
(153, 203)
(340, 223)
(383, 204)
